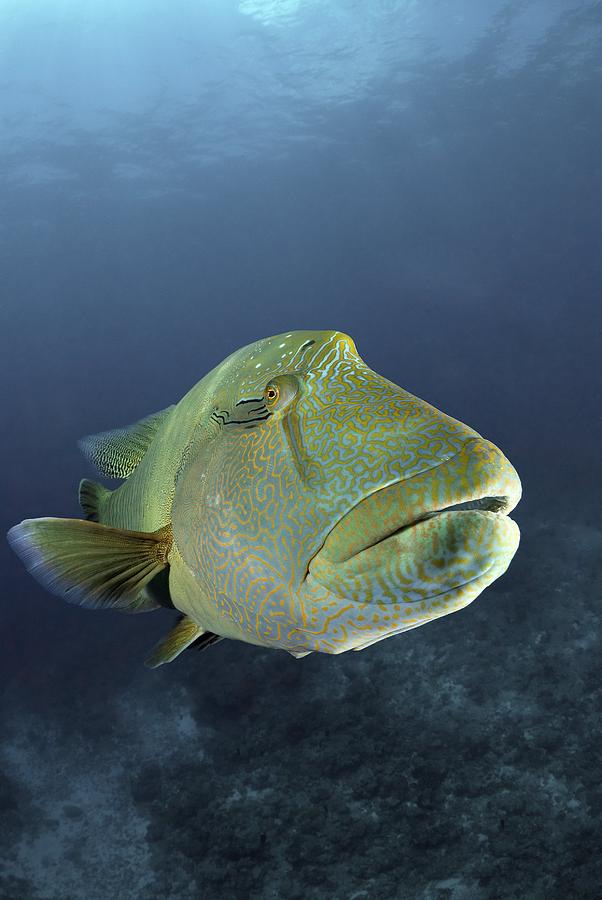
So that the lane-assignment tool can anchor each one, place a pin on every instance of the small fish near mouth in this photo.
(497, 505)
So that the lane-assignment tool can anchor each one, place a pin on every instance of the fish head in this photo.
(327, 508)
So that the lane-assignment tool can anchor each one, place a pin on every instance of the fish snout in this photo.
(424, 547)
(478, 478)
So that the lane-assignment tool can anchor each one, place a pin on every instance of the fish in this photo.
(293, 499)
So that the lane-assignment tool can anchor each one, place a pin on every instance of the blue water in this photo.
(178, 179)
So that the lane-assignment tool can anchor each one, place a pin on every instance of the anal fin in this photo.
(185, 634)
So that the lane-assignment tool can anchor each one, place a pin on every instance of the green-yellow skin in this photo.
(286, 513)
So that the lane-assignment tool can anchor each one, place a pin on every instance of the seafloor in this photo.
(461, 761)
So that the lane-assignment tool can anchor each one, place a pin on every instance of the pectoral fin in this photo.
(90, 564)
(185, 634)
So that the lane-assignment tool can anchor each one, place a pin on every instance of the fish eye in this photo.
(271, 394)
(279, 392)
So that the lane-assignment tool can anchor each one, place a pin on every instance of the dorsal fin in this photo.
(116, 453)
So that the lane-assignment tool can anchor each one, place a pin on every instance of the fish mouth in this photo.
(416, 549)
(477, 481)
(497, 505)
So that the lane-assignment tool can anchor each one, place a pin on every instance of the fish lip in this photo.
(496, 491)
(492, 505)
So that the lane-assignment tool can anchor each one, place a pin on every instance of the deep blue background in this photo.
(177, 180)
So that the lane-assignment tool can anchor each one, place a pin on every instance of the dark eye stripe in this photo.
(246, 421)
(252, 400)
